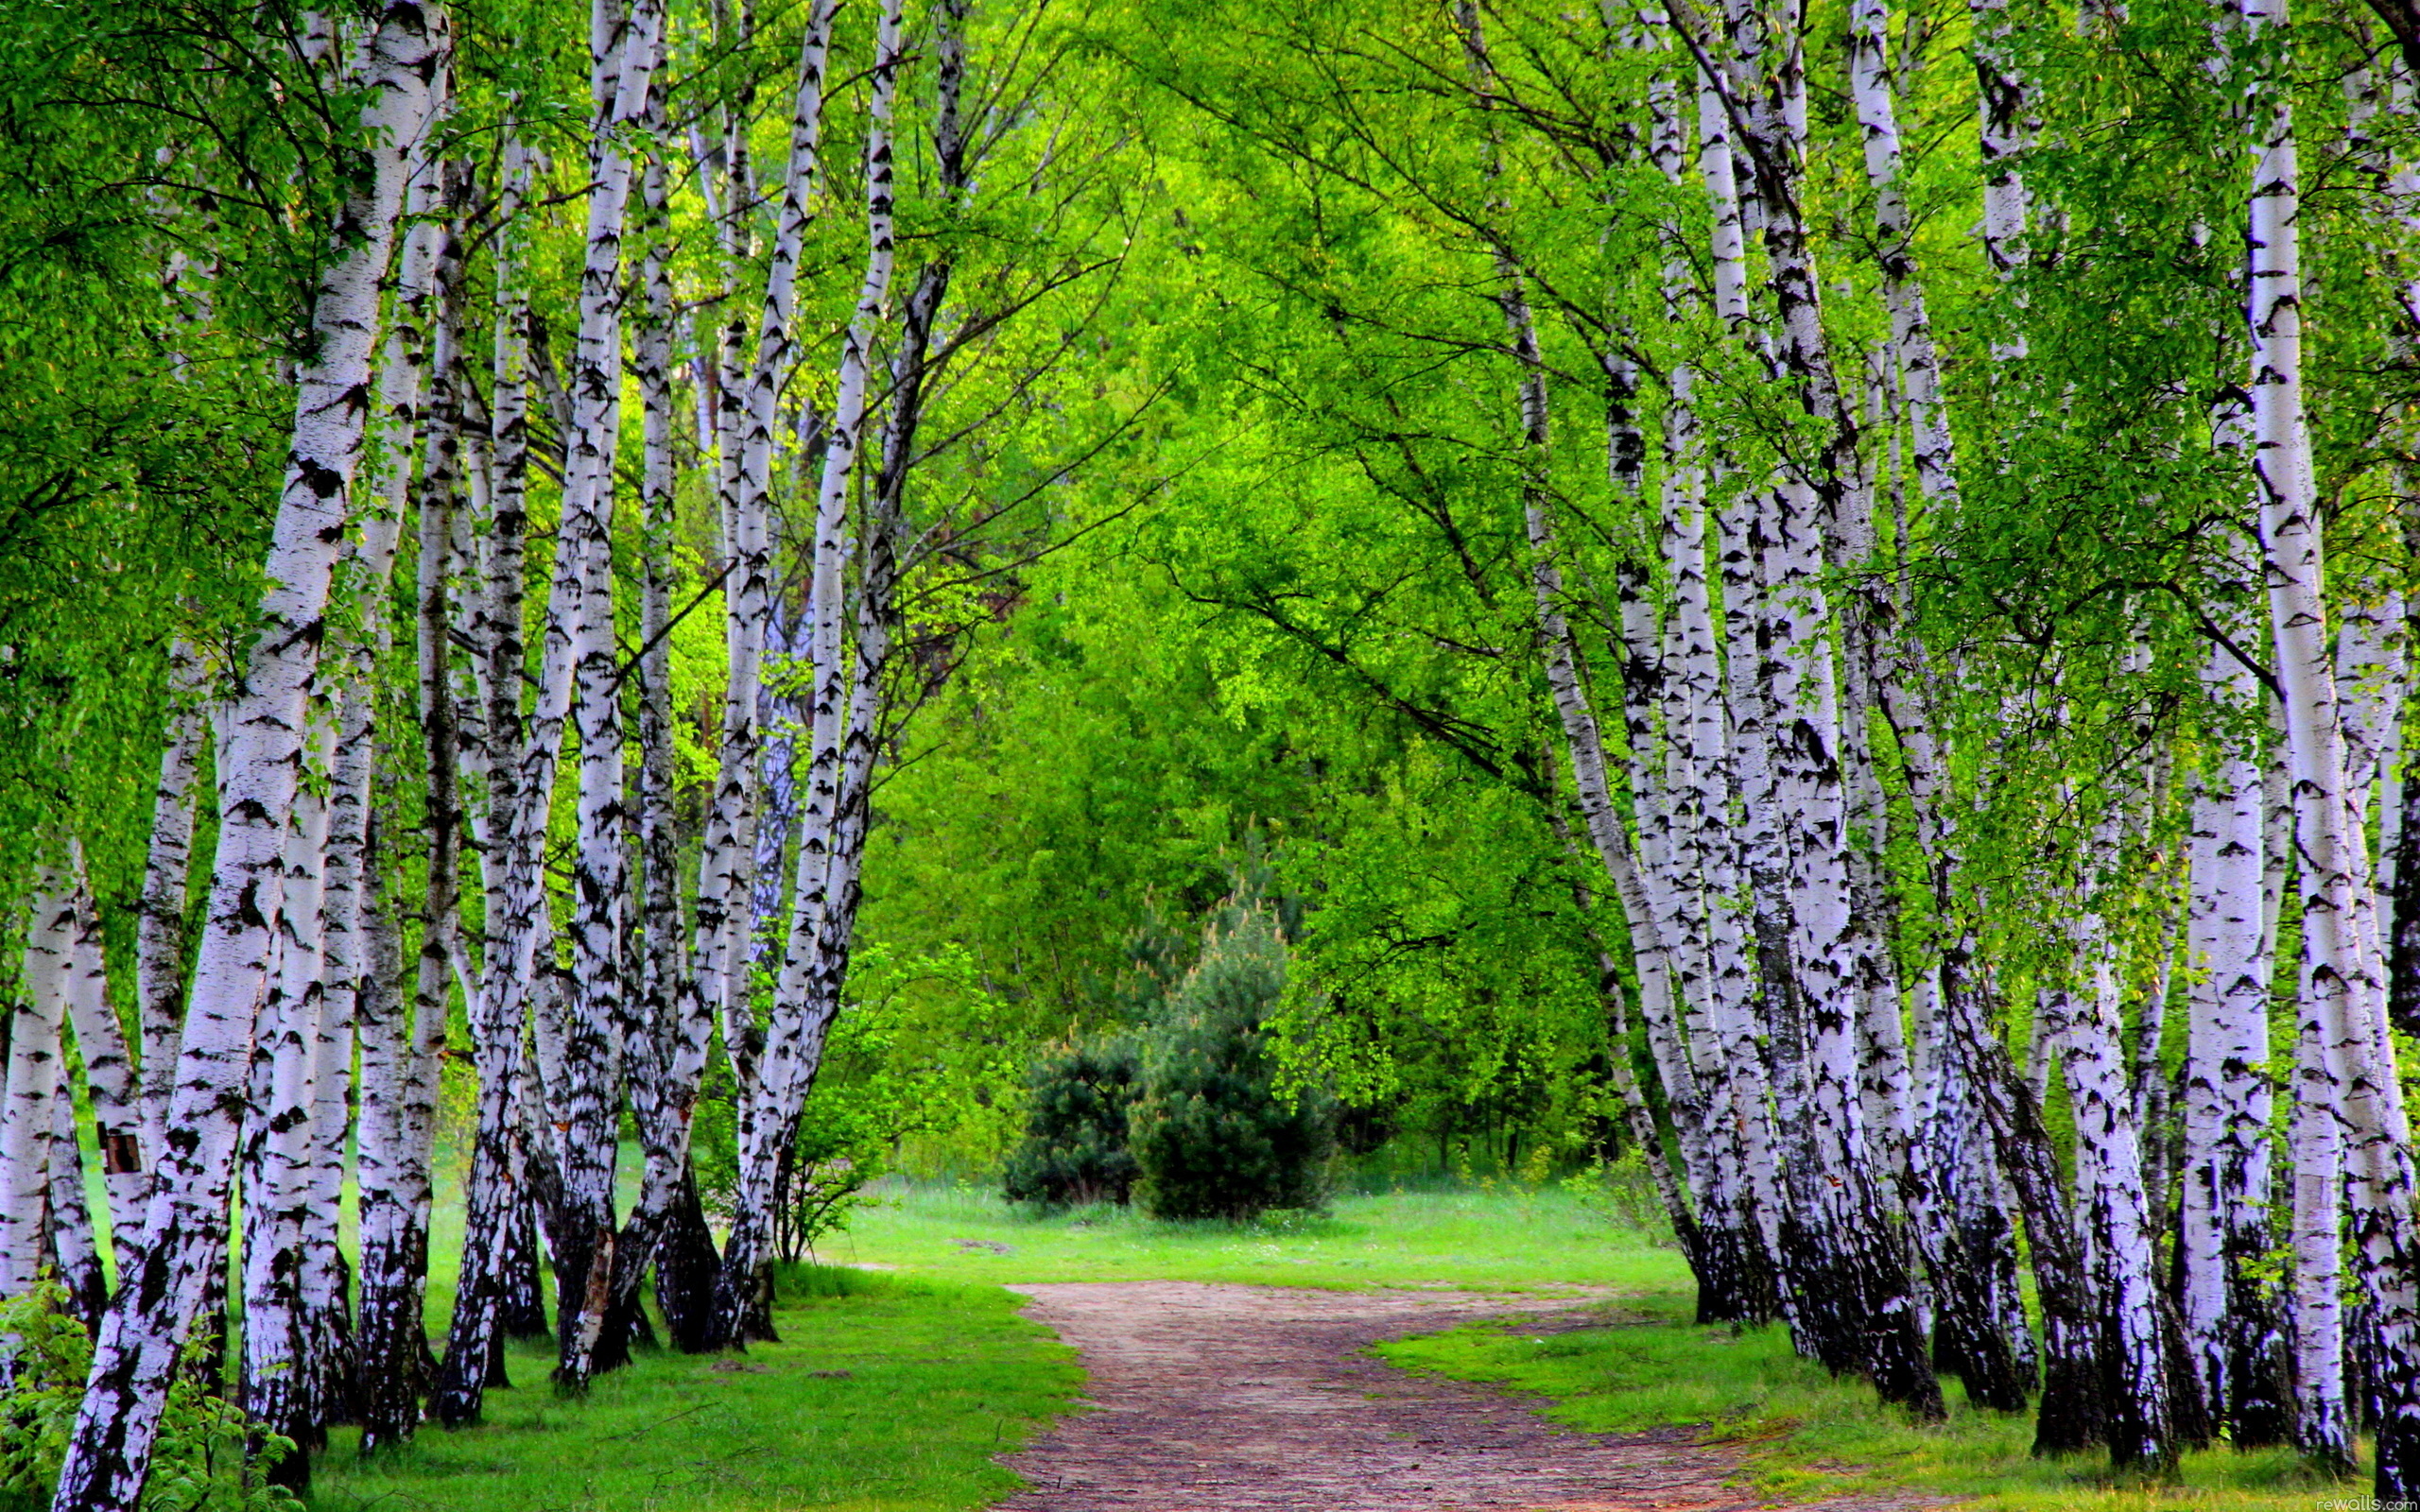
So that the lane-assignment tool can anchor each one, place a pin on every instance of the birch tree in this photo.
(110, 1452)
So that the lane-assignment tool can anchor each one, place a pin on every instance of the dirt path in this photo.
(1256, 1398)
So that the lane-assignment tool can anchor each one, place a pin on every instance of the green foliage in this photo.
(1075, 1150)
(1622, 1192)
(208, 1458)
(1212, 1135)
(916, 1064)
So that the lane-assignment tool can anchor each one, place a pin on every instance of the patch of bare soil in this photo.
(1259, 1398)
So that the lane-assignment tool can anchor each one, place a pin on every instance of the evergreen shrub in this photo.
(1211, 1134)
(1075, 1146)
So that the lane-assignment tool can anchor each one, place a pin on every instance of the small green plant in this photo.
(1075, 1153)
(1622, 1193)
(1212, 1136)
(208, 1457)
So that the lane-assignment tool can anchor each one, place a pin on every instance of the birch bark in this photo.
(807, 992)
(494, 1202)
(2230, 1316)
(276, 1378)
(664, 1015)
(109, 1069)
(2342, 979)
(624, 51)
(160, 913)
(35, 1072)
(394, 1148)
(2086, 1027)
(108, 1453)
(727, 858)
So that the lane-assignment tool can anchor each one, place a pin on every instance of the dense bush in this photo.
(1074, 1144)
(1211, 1135)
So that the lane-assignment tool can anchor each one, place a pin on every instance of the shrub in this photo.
(1075, 1136)
(206, 1459)
(1211, 1136)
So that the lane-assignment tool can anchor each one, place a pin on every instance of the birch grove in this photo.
(1902, 510)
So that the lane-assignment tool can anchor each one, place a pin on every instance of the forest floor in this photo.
(1568, 1319)
(1406, 1351)
(1259, 1398)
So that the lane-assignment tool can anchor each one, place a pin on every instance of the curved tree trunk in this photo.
(109, 1451)
(807, 992)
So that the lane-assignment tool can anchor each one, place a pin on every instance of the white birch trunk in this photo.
(36, 1070)
(109, 1070)
(624, 54)
(668, 1023)
(109, 1454)
(2005, 110)
(160, 917)
(494, 1199)
(406, 1047)
(2084, 1025)
(2228, 1315)
(276, 1179)
(807, 992)
(2344, 987)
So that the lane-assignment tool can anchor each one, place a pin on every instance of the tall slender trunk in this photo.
(405, 1049)
(659, 1023)
(73, 1245)
(159, 912)
(808, 994)
(727, 857)
(2229, 1307)
(109, 1081)
(1855, 1300)
(276, 1378)
(623, 53)
(495, 1203)
(36, 1070)
(387, 1395)
(2343, 987)
(108, 1453)
(2084, 1023)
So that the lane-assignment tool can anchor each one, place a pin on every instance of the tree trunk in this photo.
(495, 1215)
(808, 994)
(109, 1451)
(2229, 1307)
(36, 1071)
(160, 913)
(2342, 991)
(623, 55)
(2109, 1182)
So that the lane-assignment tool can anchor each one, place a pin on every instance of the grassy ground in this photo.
(889, 1394)
(1506, 1239)
(942, 1375)
(1805, 1436)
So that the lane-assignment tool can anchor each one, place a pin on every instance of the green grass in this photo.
(888, 1394)
(944, 1376)
(1805, 1435)
(1508, 1239)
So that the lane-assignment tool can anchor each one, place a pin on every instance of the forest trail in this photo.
(1260, 1399)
